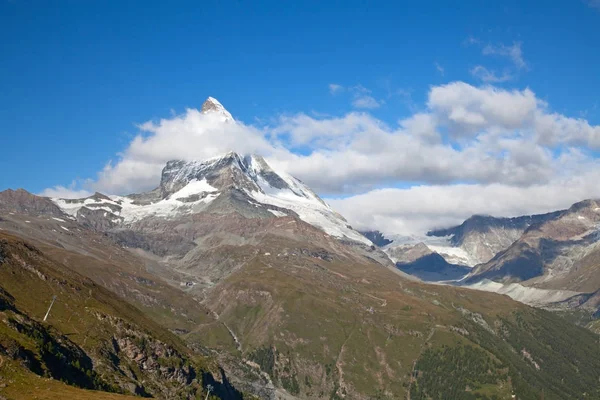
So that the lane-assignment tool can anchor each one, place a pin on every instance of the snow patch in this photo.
(168, 208)
(307, 205)
(193, 187)
(439, 244)
(72, 207)
(454, 255)
(277, 213)
(130, 212)
(64, 228)
(58, 219)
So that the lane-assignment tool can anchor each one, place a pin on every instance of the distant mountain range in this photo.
(235, 274)
(548, 260)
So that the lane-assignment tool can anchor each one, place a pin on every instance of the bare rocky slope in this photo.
(548, 260)
(91, 340)
(482, 236)
(477, 240)
(558, 255)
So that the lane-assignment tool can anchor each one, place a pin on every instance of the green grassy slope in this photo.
(92, 339)
(330, 329)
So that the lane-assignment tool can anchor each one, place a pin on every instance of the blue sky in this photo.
(77, 77)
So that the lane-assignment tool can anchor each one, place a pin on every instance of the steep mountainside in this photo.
(561, 253)
(448, 254)
(96, 256)
(91, 340)
(473, 242)
(482, 237)
(554, 264)
(377, 238)
(244, 184)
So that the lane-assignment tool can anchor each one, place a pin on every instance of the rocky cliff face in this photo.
(482, 237)
(557, 253)
(377, 238)
(555, 263)
(21, 201)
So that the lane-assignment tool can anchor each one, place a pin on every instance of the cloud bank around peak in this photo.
(469, 149)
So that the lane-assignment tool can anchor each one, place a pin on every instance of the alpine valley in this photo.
(233, 274)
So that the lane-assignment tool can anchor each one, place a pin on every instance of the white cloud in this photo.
(361, 96)
(471, 109)
(513, 52)
(66, 192)
(489, 76)
(418, 209)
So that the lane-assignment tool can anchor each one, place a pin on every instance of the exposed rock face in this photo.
(212, 106)
(482, 237)
(558, 253)
(23, 202)
(433, 268)
(377, 238)
(97, 219)
(420, 261)
(408, 253)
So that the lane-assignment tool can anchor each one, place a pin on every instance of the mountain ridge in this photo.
(186, 187)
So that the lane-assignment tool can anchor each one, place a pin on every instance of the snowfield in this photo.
(309, 207)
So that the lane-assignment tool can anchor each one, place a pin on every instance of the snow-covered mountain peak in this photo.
(255, 180)
(243, 183)
(249, 173)
(212, 105)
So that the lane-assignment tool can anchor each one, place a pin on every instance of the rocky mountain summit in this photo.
(212, 106)
(246, 184)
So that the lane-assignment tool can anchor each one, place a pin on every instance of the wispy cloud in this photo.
(334, 88)
(439, 68)
(489, 76)
(405, 96)
(361, 96)
(367, 101)
(593, 3)
(471, 40)
(514, 53)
